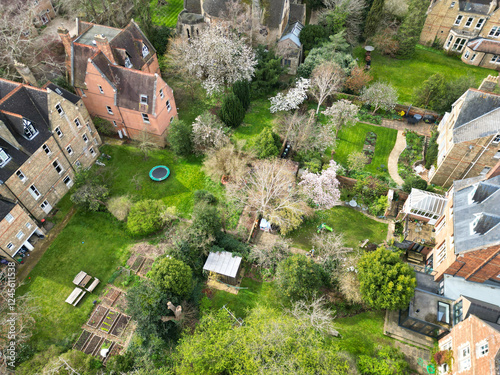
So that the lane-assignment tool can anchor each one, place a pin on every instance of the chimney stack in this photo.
(66, 39)
(103, 44)
(26, 73)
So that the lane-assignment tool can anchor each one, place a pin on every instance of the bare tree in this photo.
(146, 143)
(268, 255)
(340, 114)
(208, 133)
(326, 79)
(316, 315)
(331, 245)
(229, 160)
(270, 190)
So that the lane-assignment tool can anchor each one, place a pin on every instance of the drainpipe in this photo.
(481, 154)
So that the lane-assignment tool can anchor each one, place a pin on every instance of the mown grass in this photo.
(355, 227)
(257, 119)
(166, 15)
(352, 139)
(406, 75)
(92, 242)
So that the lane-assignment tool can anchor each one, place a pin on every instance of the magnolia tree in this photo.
(341, 114)
(326, 79)
(218, 58)
(293, 98)
(380, 95)
(269, 189)
(322, 189)
(208, 133)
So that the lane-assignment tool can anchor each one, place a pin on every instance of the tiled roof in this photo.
(485, 45)
(274, 12)
(475, 6)
(214, 8)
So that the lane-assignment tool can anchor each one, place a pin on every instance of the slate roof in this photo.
(484, 45)
(192, 6)
(124, 42)
(480, 201)
(292, 32)
(479, 116)
(64, 93)
(5, 207)
(475, 6)
(214, 8)
(23, 102)
(483, 310)
(223, 263)
(297, 13)
(131, 84)
(273, 13)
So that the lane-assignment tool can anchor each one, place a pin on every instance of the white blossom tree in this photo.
(340, 114)
(326, 79)
(218, 57)
(208, 133)
(269, 189)
(380, 95)
(322, 188)
(293, 98)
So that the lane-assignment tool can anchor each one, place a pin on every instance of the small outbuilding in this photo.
(225, 265)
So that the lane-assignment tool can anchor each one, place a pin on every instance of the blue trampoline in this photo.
(159, 173)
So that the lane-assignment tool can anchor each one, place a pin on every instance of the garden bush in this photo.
(104, 127)
(298, 277)
(369, 189)
(432, 151)
(365, 116)
(242, 91)
(414, 182)
(232, 111)
(172, 276)
(379, 206)
(204, 196)
(120, 206)
(179, 137)
(146, 217)
(267, 144)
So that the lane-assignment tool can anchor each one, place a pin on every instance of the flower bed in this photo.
(110, 296)
(369, 146)
(82, 340)
(108, 321)
(107, 344)
(120, 325)
(146, 267)
(94, 343)
(137, 264)
(97, 316)
(115, 350)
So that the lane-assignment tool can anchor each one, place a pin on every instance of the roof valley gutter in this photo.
(480, 155)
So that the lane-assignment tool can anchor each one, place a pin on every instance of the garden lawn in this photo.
(130, 171)
(352, 139)
(406, 75)
(166, 15)
(92, 242)
(257, 119)
(355, 227)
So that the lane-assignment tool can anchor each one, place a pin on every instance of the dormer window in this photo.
(128, 64)
(29, 130)
(4, 157)
(145, 50)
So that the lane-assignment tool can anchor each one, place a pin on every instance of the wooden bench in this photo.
(93, 285)
(75, 296)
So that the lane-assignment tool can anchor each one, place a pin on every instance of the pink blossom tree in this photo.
(322, 188)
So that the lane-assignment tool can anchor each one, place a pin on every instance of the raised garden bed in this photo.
(132, 260)
(94, 343)
(146, 267)
(137, 264)
(97, 316)
(121, 303)
(107, 344)
(115, 350)
(108, 321)
(82, 340)
(110, 296)
(120, 325)
(369, 146)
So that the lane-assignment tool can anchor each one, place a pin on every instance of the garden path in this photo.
(399, 146)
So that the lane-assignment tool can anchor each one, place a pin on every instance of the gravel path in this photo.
(399, 146)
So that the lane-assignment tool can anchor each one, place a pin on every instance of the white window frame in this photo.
(452, 4)
(69, 149)
(59, 109)
(20, 175)
(34, 192)
(169, 106)
(464, 358)
(128, 63)
(9, 218)
(28, 225)
(145, 118)
(161, 94)
(58, 165)
(144, 99)
(459, 44)
(78, 163)
(495, 59)
(10, 246)
(115, 124)
(480, 23)
(28, 127)
(92, 152)
(458, 20)
(496, 140)
(110, 111)
(440, 226)
(68, 181)
(485, 171)
(441, 254)
(87, 124)
(448, 43)
(497, 155)
(59, 132)
(46, 149)
(467, 54)
(145, 50)
(469, 21)
(20, 235)
(4, 157)
(473, 57)
(77, 123)
(494, 32)
(100, 89)
(85, 138)
(482, 348)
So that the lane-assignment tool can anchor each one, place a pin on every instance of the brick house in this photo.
(45, 135)
(468, 232)
(474, 339)
(43, 12)
(116, 72)
(467, 27)
(469, 137)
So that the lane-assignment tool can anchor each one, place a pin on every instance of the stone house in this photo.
(43, 12)
(270, 23)
(45, 136)
(469, 138)
(468, 232)
(474, 339)
(116, 73)
(467, 27)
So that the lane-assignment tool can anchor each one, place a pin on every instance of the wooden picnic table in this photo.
(85, 281)
(75, 296)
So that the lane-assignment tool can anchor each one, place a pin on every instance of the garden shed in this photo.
(225, 265)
